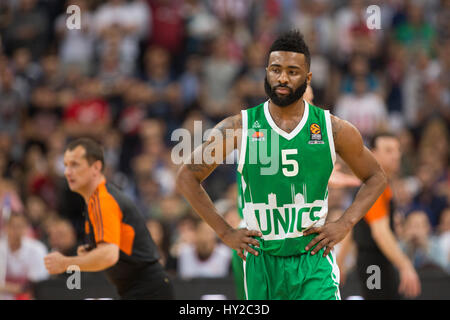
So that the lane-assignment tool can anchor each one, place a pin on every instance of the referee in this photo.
(118, 241)
(375, 239)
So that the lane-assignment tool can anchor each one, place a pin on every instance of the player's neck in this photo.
(288, 112)
(90, 189)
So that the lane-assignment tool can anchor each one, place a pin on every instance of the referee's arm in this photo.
(102, 257)
(106, 228)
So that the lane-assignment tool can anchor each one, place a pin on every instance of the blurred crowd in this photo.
(136, 70)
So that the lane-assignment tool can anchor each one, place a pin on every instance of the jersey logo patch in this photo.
(258, 136)
(315, 134)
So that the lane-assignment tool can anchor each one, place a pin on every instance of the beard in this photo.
(284, 101)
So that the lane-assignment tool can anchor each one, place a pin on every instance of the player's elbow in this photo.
(180, 179)
(111, 255)
(183, 179)
(381, 180)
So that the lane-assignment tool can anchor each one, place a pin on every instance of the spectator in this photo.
(359, 67)
(206, 257)
(190, 82)
(38, 180)
(26, 70)
(152, 135)
(363, 109)
(431, 171)
(201, 25)
(218, 77)
(167, 18)
(28, 28)
(408, 149)
(44, 115)
(9, 200)
(89, 114)
(37, 213)
(12, 108)
(111, 145)
(114, 39)
(415, 81)
(346, 18)
(24, 260)
(418, 243)
(315, 16)
(415, 33)
(130, 119)
(184, 232)
(76, 46)
(426, 198)
(230, 9)
(321, 68)
(133, 17)
(250, 84)
(62, 237)
(165, 101)
(162, 239)
(52, 74)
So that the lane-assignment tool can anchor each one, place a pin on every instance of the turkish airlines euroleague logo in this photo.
(315, 128)
(315, 134)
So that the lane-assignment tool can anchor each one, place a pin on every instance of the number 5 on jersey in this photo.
(289, 162)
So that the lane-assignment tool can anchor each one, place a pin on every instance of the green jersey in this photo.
(284, 177)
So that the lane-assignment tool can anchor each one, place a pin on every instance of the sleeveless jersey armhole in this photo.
(243, 151)
(330, 136)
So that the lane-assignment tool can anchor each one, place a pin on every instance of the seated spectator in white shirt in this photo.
(419, 244)
(121, 24)
(21, 260)
(76, 46)
(206, 258)
(364, 109)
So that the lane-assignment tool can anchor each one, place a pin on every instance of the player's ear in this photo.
(98, 166)
(308, 78)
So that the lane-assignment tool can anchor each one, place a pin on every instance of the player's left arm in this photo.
(349, 145)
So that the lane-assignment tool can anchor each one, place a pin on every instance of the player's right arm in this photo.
(350, 147)
(225, 137)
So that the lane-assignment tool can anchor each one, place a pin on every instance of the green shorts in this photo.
(238, 274)
(299, 277)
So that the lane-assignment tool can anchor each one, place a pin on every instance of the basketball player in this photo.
(287, 150)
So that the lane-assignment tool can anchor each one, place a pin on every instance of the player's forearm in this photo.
(98, 259)
(388, 245)
(369, 192)
(198, 198)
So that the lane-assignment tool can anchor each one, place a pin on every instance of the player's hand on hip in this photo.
(409, 282)
(240, 240)
(55, 263)
(328, 235)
